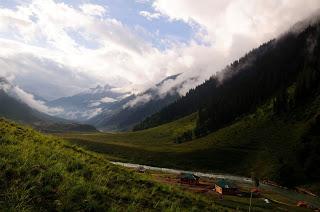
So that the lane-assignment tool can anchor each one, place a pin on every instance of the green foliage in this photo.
(262, 142)
(186, 136)
(43, 173)
(281, 102)
(247, 84)
(309, 150)
(281, 75)
(257, 119)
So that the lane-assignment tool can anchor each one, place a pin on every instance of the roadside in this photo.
(270, 197)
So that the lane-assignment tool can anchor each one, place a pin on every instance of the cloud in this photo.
(36, 104)
(225, 31)
(93, 9)
(103, 100)
(138, 100)
(142, 1)
(150, 16)
(77, 115)
(107, 100)
(54, 49)
(64, 35)
(43, 77)
(94, 104)
(224, 21)
(28, 99)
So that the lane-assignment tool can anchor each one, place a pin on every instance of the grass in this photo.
(45, 173)
(259, 142)
(228, 150)
(41, 172)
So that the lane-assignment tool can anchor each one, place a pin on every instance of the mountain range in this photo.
(260, 113)
(124, 114)
(247, 83)
(104, 107)
(13, 107)
(259, 116)
(87, 104)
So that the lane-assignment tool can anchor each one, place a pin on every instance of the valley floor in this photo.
(42, 172)
(284, 199)
(253, 143)
(45, 173)
(259, 143)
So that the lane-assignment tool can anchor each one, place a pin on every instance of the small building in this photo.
(189, 178)
(255, 192)
(225, 187)
(302, 204)
(141, 169)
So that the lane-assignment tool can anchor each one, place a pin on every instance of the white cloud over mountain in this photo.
(227, 22)
(27, 98)
(55, 49)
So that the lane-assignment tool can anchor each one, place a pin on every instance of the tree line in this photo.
(265, 72)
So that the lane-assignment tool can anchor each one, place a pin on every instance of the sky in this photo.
(56, 48)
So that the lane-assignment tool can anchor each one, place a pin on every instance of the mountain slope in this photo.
(263, 116)
(124, 114)
(245, 84)
(281, 147)
(14, 109)
(85, 105)
(44, 173)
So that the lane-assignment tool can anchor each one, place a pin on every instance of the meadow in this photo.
(266, 144)
(44, 173)
(253, 143)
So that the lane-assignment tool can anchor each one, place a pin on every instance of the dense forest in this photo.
(262, 74)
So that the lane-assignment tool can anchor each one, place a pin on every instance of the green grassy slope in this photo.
(39, 173)
(260, 142)
(157, 136)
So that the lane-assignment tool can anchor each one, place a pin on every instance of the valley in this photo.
(145, 106)
(40, 172)
(283, 197)
(77, 179)
(254, 143)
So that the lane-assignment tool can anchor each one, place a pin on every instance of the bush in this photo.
(186, 136)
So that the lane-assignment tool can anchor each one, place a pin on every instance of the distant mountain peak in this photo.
(108, 87)
(171, 77)
(99, 89)
(83, 105)
(5, 85)
(4, 80)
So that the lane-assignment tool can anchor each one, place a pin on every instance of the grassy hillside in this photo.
(262, 142)
(158, 135)
(39, 173)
